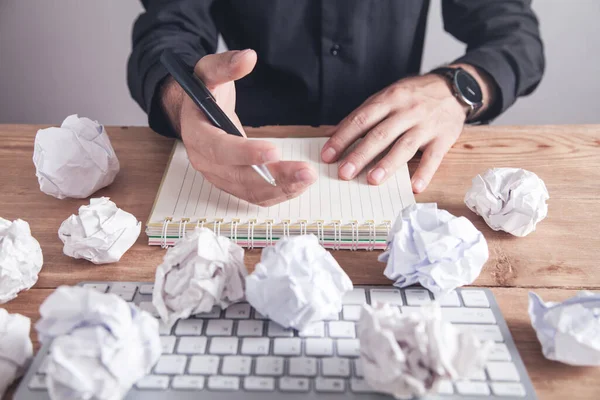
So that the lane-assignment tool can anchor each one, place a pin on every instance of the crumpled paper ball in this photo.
(407, 355)
(569, 332)
(509, 199)
(20, 258)
(297, 282)
(75, 160)
(432, 247)
(101, 344)
(16, 348)
(101, 233)
(202, 270)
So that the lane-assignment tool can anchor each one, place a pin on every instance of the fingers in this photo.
(216, 69)
(430, 162)
(354, 126)
(212, 147)
(375, 142)
(400, 153)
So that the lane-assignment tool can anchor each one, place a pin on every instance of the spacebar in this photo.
(468, 315)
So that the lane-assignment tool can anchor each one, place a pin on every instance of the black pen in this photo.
(204, 99)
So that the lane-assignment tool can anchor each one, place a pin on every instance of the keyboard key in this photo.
(445, 387)
(153, 382)
(276, 330)
(38, 382)
(508, 389)
(168, 344)
(303, 366)
(250, 328)
(474, 298)
(483, 332)
(335, 367)
(472, 388)
(101, 287)
(348, 347)
(189, 327)
(477, 375)
(223, 382)
(188, 382)
(287, 346)
(215, 312)
(499, 353)
(223, 345)
(360, 386)
(316, 329)
(204, 365)
(236, 365)
(417, 297)
(146, 289)
(127, 296)
(355, 296)
(318, 347)
(332, 317)
(191, 345)
(351, 312)
(341, 329)
(259, 383)
(258, 315)
(238, 311)
(469, 316)
(121, 287)
(255, 346)
(391, 296)
(170, 364)
(149, 308)
(43, 367)
(271, 366)
(219, 327)
(163, 329)
(502, 371)
(358, 370)
(448, 300)
(329, 385)
(289, 384)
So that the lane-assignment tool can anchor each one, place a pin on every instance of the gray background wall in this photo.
(59, 57)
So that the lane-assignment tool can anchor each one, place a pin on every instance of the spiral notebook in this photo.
(342, 214)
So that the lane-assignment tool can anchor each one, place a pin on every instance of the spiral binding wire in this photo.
(320, 232)
(200, 223)
(251, 224)
(163, 237)
(303, 226)
(182, 227)
(354, 237)
(233, 234)
(286, 227)
(337, 235)
(269, 232)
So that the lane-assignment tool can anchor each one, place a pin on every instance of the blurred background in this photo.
(60, 57)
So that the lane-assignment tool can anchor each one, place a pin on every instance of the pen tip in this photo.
(272, 182)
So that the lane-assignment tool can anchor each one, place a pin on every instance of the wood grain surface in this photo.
(560, 257)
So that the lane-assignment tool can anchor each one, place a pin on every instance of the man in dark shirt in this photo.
(349, 63)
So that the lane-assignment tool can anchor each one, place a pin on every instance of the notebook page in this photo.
(186, 194)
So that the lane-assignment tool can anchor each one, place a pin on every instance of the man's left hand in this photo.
(416, 113)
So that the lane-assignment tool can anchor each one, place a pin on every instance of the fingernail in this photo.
(419, 184)
(238, 55)
(377, 174)
(304, 175)
(328, 155)
(270, 156)
(347, 170)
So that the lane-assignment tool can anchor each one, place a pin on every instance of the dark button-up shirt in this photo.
(319, 60)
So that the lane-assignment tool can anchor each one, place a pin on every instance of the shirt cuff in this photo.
(498, 68)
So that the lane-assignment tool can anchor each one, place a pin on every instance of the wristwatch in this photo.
(464, 87)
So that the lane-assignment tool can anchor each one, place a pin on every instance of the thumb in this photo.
(216, 69)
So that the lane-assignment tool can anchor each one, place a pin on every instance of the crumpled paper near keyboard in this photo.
(297, 282)
(434, 248)
(21, 258)
(569, 332)
(101, 344)
(16, 348)
(202, 270)
(101, 233)
(407, 355)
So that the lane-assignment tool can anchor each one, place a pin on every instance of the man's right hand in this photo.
(225, 160)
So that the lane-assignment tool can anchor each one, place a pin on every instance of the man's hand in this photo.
(225, 160)
(417, 113)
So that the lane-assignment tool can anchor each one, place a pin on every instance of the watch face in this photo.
(468, 87)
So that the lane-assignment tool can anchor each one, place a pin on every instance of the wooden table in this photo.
(558, 259)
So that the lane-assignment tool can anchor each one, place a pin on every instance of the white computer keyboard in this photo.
(237, 353)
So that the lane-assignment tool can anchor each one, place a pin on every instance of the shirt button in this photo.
(335, 49)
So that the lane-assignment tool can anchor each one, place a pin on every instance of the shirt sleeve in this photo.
(184, 26)
(503, 39)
